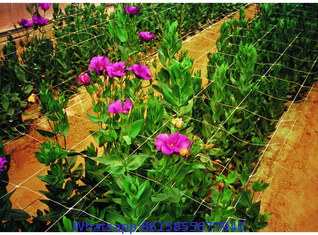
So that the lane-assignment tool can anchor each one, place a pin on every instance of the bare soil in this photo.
(289, 167)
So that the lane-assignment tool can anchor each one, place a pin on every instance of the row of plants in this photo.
(259, 66)
(164, 137)
(79, 32)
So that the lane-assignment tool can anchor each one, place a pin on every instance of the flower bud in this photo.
(130, 60)
(139, 56)
(84, 78)
(177, 122)
(33, 98)
(111, 50)
(221, 185)
(116, 47)
(184, 152)
(207, 146)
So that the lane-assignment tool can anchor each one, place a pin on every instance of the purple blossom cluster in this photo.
(102, 65)
(131, 10)
(146, 36)
(37, 19)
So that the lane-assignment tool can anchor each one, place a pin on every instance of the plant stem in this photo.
(53, 130)
(64, 142)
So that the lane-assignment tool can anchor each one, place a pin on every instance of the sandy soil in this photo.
(289, 167)
(291, 170)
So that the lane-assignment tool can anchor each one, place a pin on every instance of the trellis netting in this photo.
(173, 150)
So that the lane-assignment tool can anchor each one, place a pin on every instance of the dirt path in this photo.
(291, 170)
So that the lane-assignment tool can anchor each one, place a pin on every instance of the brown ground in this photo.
(289, 197)
(291, 170)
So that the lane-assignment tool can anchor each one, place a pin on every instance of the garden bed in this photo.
(238, 163)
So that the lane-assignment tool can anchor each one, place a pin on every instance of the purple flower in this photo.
(99, 64)
(39, 20)
(131, 10)
(3, 160)
(84, 79)
(140, 71)
(26, 23)
(146, 36)
(169, 144)
(116, 70)
(45, 6)
(116, 107)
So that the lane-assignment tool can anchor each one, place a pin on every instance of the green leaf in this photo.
(27, 89)
(96, 107)
(244, 178)
(19, 73)
(52, 117)
(93, 118)
(215, 195)
(136, 127)
(10, 111)
(176, 91)
(160, 197)
(122, 35)
(129, 187)
(127, 139)
(115, 169)
(78, 172)
(232, 177)
(167, 94)
(135, 161)
(112, 218)
(5, 102)
(254, 210)
(227, 193)
(46, 133)
(246, 199)
(258, 187)
(63, 126)
(50, 179)
(162, 57)
(16, 215)
(67, 223)
(113, 160)
(176, 48)
(174, 192)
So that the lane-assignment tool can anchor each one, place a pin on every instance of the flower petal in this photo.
(115, 107)
(127, 106)
(183, 142)
(173, 138)
(161, 141)
(166, 150)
